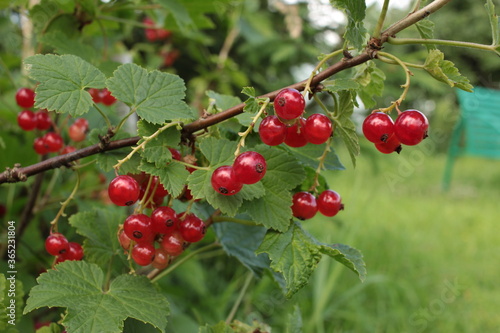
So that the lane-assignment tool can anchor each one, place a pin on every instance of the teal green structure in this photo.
(477, 132)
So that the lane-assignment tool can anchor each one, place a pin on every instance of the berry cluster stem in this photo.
(406, 85)
(381, 19)
(53, 223)
(146, 139)
(243, 135)
(307, 88)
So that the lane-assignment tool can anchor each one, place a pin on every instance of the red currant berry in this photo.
(95, 94)
(223, 181)
(378, 127)
(123, 190)
(143, 253)
(192, 228)
(25, 98)
(56, 244)
(176, 155)
(411, 127)
(53, 142)
(272, 131)
(249, 167)
(173, 244)
(295, 135)
(138, 227)
(26, 119)
(149, 33)
(289, 104)
(124, 240)
(106, 97)
(82, 122)
(67, 150)
(161, 259)
(329, 203)
(160, 190)
(39, 146)
(317, 129)
(391, 145)
(43, 121)
(75, 252)
(164, 220)
(162, 34)
(304, 205)
(76, 133)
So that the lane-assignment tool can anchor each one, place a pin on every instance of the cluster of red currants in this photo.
(171, 231)
(305, 205)
(57, 245)
(248, 168)
(410, 128)
(154, 34)
(102, 96)
(289, 127)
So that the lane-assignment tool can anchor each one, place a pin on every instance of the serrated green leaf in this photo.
(80, 287)
(179, 13)
(241, 241)
(220, 327)
(156, 150)
(355, 11)
(52, 328)
(311, 178)
(157, 97)
(426, 30)
(445, 71)
(218, 151)
(295, 254)
(371, 80)
(99, 227)
(295, 321)
(249, 91)
(345, 126)
(340, 84)
(62, 82)
(172, 176)
(64, 45)
(495, 25)
(223, 102)
(11, 302)
(135, 326)
(309, 155)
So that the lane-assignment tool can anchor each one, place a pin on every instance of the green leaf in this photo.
(426, 30)
(156, 150)
(62, 82)
(309, 155)
(223, 102)
(220, 327)
(295, 321)
(218, 151)
(340, 84)
(495, 26)
(172, 176)
(241, 241)
(193, 14)
(157, 97)
(11, 302)
(445, 71)
(52, 328)
(345, 126)
(64, 45)
(179, 13)
(99, 227)
(296, 254)
(355, 11)
(371, 80)
(252, 103)
(91, 307)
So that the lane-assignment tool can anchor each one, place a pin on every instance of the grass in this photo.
(431, 255)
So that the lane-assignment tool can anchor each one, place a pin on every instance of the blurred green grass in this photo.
(432, 256)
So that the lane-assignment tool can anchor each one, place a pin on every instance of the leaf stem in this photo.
(106, 119)
(307, 88)
(243, 135)
(182, 260)
(143, 143)
(404, 41)
(381, 19)
(53, 223)
(123, 121)
(406, 85)
(236, 304)
(197, 167)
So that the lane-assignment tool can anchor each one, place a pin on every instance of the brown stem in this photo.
(20, 174)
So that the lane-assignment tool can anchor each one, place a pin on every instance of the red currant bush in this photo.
(192, 229)
(295, 134)
(138, 227)
(26, 119)
(249, 167)
(272, 131)
(289, 104)
(378, 127)
(317, 128)
(223, 181)
(304, 205)
(329, 203)
(411, 127)
(25, 97)
(56, 244)
(123, 191)
(143, 253)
